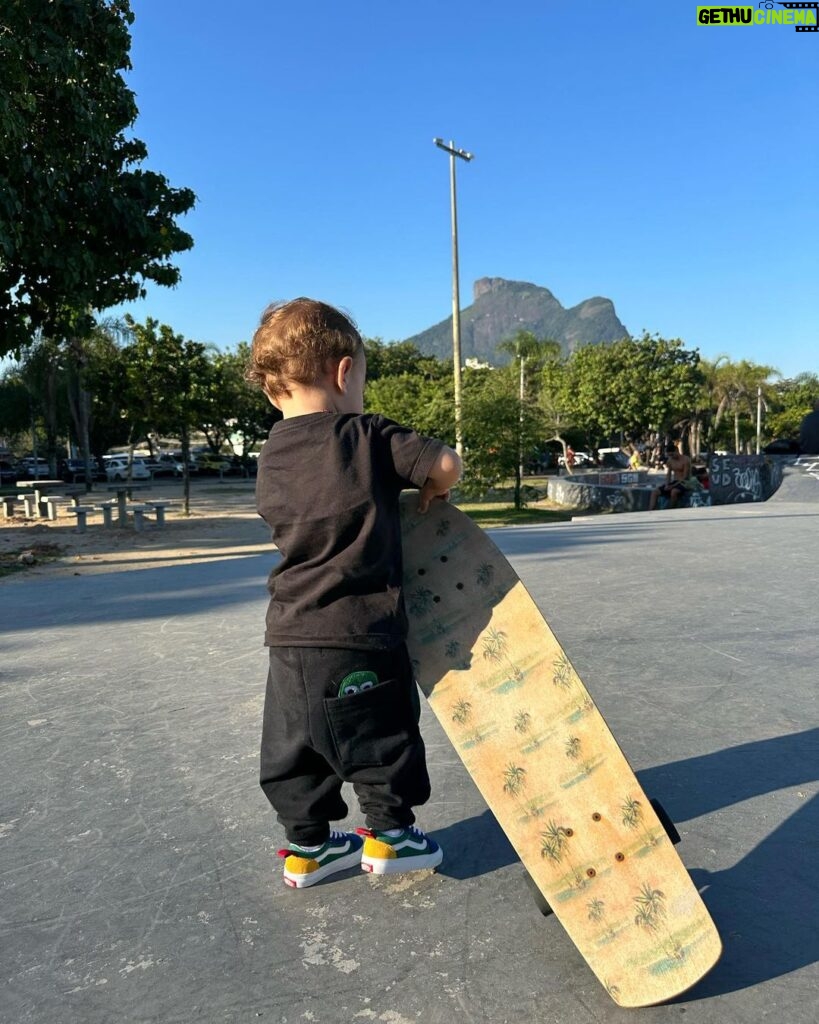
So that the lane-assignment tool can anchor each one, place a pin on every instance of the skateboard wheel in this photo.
(539, 898)
(665, 821)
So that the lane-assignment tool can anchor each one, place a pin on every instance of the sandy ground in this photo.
(222, 524)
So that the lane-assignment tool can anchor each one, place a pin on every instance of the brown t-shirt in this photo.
(328, 487)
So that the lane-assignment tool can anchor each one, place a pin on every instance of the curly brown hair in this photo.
(297, 341)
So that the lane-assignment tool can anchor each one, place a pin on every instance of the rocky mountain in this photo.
(501, 308)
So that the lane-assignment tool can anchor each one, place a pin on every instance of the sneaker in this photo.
(411, 850)
(306, 867)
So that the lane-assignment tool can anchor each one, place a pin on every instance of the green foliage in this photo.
(401, 357)
(629, 386)
(425, 404)
(15, 407)
(499, 433)
(82, 225)
(789, 401)
(232, 405)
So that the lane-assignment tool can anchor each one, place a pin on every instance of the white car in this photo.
(116, 468)
(580, 459)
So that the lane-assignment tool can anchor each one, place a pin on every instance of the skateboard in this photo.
(597, 851)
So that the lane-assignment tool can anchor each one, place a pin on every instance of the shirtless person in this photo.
(678, 473)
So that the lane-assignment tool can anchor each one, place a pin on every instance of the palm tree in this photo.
(514, 779)
(461, 711)
(495, 649)
(527, 349)
(486, 573)
(737, 387)
(573, 748)
(554, 845)
(633, 818)
(514, 782)
(420, 601)
(651, 915)
(597, 914)
(562, 672)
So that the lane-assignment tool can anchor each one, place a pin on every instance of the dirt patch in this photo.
(222, 524)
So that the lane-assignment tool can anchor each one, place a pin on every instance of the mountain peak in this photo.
(501, 308)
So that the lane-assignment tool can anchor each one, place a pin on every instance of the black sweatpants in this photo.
(313, 740)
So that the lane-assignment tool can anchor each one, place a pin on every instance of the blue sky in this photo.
(620, 150)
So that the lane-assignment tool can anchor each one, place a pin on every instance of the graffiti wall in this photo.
(741, 478)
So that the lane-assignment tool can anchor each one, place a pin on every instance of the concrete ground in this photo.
(138, 876)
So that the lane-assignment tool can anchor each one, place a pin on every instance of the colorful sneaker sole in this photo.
(380, 859)
(299, 872)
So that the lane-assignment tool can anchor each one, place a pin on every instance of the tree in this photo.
(738, 385)
(396, 358)
(410, 388)
(166, 385)
(790, 400)
(498, 430)
(82, 226)
(15, 404)
(631, 386)
(529, 353)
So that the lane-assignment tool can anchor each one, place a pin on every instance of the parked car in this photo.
(73, 470)
(214, 464)
(170, 464)
(580, 459)
(613, 458)
(116, 468)
(27, 468)
(8, 472)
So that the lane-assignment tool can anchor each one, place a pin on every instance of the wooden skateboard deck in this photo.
(547, 764)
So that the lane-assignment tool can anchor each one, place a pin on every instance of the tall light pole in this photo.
(456, 299)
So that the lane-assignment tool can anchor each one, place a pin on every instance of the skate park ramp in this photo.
(800, 482)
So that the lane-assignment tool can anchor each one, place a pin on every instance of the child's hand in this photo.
(444, 474)
(427, 493)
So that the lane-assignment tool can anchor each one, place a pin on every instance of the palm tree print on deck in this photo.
(633, 818)
(651, 915)
(495, 648)
(523, 725)
(486, 573)
(597, 915)
(453, 649)
(514, 783)
(442, 529)
(554, 845)
(461, 711)
(564, 676)
(420, 601)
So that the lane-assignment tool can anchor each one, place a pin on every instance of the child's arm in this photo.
(445, 473)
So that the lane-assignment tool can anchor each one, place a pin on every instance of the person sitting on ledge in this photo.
(677, 477)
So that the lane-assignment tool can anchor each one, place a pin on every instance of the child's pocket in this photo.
(373, 727)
